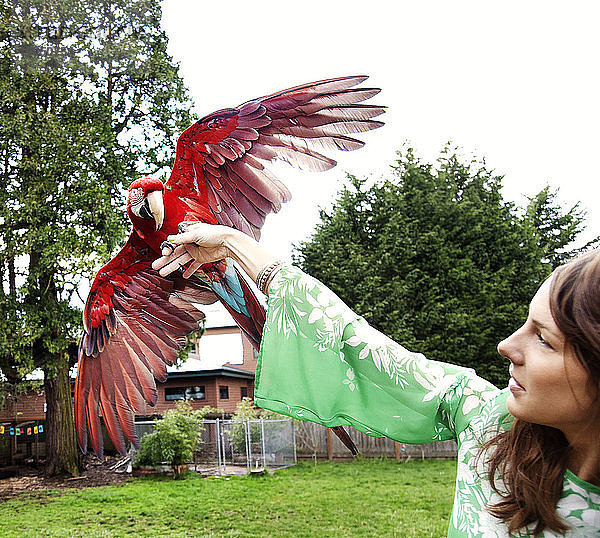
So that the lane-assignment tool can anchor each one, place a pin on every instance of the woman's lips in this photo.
(514, 386)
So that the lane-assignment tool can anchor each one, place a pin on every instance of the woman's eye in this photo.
(541, 339)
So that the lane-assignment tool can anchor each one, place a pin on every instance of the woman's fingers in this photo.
(168, 255)
(201, 243)
(201, 234)
(172, 262)
(174, 265)
(192, 268)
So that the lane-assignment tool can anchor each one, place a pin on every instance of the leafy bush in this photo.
(246, 410)
(175, 438)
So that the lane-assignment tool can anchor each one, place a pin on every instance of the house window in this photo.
(184, 393)
(223, 392)
(244, 392)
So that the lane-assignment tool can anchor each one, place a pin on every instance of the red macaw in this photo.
(135, 320)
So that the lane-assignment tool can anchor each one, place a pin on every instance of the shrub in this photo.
(175, 438)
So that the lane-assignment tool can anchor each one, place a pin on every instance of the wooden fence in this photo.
(315, 441)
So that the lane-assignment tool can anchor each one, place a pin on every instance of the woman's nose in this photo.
(502, 348)
(510, 349)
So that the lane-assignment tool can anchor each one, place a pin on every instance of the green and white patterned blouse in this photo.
(321, 362)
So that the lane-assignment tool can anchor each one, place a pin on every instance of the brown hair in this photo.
(531, 459)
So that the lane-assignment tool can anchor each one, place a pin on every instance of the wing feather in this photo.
(253, 179)
(290, 126)
(108, 404)
(122, 353)
(125, 416)
(156, 345)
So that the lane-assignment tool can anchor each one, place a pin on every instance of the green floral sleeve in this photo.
(321, 362)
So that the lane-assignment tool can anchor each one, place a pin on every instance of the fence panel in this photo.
(209, 449)
(314, 441)
(243, 445)
(277, 442)
(233, 443)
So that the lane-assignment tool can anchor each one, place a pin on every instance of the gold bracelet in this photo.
(265, 275)
(270, 278)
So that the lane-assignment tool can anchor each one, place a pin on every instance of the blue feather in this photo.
(231, 293)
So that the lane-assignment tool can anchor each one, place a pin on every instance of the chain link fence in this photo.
(236, 447)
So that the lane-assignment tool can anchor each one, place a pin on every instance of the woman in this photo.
(529, 455)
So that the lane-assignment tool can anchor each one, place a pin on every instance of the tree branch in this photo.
(131, 114)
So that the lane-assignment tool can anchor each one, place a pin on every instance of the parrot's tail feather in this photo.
(345, 438)
(250, 319)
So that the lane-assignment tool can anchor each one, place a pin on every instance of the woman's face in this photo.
(548, 384)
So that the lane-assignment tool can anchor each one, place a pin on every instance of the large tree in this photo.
(89, 98)
(436, 259)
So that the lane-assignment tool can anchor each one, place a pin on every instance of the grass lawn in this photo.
(360, 498)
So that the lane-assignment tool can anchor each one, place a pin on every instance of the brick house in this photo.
(218, 373)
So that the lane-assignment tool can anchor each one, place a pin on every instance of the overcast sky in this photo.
(514, 82)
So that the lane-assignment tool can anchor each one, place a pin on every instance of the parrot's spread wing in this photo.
(135, 321)
(219, 160)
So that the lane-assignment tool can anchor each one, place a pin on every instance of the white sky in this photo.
(515, 82)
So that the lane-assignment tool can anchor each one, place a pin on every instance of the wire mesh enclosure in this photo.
(232, 447)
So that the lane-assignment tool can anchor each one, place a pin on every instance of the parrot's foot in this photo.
(167, 245)
(184, 225)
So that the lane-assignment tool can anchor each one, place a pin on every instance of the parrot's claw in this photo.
(184, 225)
(167, 245)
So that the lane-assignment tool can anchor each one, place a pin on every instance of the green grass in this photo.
(361, 498)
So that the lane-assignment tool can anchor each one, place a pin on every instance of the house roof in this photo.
(225, 371)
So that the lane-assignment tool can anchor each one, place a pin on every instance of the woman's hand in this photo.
(201, 243)
(205, 243)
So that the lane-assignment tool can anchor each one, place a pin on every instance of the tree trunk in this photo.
(62, 454)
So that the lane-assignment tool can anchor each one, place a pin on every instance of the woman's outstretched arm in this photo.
(320, 361)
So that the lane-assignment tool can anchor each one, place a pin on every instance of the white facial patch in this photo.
(136, 195)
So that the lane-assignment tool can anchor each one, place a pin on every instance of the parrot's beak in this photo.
(157, 208)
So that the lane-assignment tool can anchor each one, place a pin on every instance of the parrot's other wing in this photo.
(219, 160)
(135, 321)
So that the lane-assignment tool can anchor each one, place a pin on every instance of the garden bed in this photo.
(28, 478)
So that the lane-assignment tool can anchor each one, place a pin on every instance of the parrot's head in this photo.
(145, 205)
